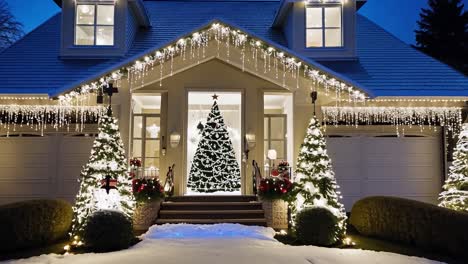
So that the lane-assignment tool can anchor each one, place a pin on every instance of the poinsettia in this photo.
(275, 187)
(147, 189)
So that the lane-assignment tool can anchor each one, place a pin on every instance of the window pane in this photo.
(105, 35)
(84, 35)
(152, 148)
(277, 128)
(85, 14)
(314, 17)
(279, 147)
(333, 17)
(153, 127)
(265, 128)
(105, 15)
(136, 148)
(137, 126)
(314, 38)
(152, 163)
(333, 38)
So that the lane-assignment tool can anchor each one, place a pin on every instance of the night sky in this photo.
(397, 16)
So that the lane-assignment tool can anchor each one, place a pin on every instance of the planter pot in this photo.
(146, 214)
(276, 213)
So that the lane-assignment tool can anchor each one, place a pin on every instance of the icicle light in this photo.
(251, 50)
(39, 117)
(450, 117)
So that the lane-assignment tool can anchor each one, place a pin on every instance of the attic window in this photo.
(324, 26)
(94, 25)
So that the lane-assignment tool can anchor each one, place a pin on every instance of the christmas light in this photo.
(316, 179)
(455, 193)
(39, 117)
(450, 117)
(194, 46)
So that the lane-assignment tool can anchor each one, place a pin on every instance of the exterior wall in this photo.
(294, 28)
(68, 49)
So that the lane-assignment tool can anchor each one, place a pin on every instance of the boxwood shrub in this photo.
(316, 226)
(108, 230)
(33, 223)
(420, 224)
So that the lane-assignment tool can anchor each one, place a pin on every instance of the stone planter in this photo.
(276, 213)
(146, 214)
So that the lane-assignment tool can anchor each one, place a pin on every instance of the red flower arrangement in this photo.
(147, 189)
(275, 187)
(135, 163)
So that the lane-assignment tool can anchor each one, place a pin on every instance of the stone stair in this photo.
(207, 209)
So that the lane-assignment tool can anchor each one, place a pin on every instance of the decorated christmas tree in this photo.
(455, 193)
(214, 166)
(316, 181)
(107, 167)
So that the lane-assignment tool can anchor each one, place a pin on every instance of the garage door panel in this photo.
(350, 187)
(401, 172)
(402, 167)
(25, 188)
(47, 167)
(395, 187)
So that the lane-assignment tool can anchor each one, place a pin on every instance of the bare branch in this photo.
(10, 29)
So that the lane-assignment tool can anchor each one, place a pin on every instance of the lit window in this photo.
(94, 25)
(324, 27)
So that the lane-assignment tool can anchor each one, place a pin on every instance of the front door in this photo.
(214, 143)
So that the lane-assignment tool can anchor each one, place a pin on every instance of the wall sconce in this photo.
(272, 155)
(250, 138)
(174, 139)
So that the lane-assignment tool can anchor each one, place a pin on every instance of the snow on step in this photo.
(253, 222)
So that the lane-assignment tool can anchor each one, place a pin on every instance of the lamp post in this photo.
(314, 96)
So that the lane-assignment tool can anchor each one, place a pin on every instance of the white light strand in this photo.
(193, 47)
(39, 117)
(450, 117)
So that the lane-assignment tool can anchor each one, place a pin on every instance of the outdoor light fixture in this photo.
(272, 155)
(174, 139)
(250, 140)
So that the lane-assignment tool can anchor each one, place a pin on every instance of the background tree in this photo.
(214, 166)
(10, 29)
(443, 33)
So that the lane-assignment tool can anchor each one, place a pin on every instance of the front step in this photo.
(256, 222)
(202, 206)
(213, 198)
(212, 214)
(205, 209)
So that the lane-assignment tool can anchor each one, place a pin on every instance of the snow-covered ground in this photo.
(223, 243)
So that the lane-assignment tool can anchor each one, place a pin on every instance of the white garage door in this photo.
(407, 167)
(34, 167)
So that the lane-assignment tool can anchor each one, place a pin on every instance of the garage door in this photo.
(34, 167)
(408, 167)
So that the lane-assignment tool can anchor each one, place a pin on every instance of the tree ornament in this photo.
(214, 166)
(455, 193)
(315, 178)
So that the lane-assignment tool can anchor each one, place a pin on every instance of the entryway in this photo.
(214, 143)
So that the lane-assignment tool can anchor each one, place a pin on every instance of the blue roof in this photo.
(386, 66)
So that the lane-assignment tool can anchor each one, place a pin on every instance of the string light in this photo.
(194, 47)
(450, 117)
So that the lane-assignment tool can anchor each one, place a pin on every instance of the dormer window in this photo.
(324, 26)
(94, 25)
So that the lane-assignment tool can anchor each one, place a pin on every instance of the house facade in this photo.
(389, 111)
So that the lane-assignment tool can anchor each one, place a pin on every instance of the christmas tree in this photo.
(316, 180)
(214, 166)
(455, 193)
(107, 160)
